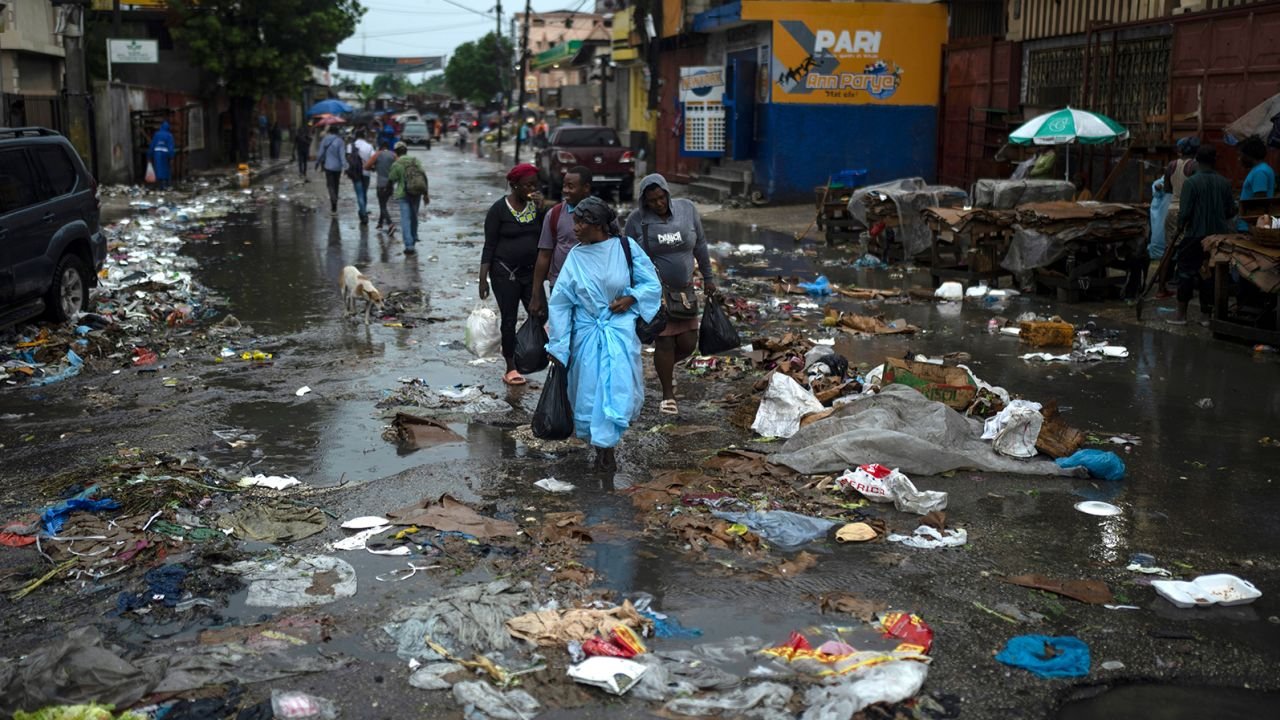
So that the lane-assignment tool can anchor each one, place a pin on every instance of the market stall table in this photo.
(1255, 261)
(1071, 246)
(968, 244)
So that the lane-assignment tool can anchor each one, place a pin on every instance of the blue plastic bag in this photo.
(1100, 463)
(1070, 655)
(1160, 202)
(821, 286)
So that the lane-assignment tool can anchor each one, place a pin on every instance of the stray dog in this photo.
(355, 286)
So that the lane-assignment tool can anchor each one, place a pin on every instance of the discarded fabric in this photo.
(761, 698)
(54, 517)
(1047, 657)
(294, 581)
(479, 696)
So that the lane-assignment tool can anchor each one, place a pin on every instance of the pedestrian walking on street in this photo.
(411, 190)
(331, 158)
(512, 229)
(358, 154)
(605, 284)
(161, 154)
(1207, 209)
(275, 137)
(670, 232)
(302, 150)
(558, 237)
(380, 164)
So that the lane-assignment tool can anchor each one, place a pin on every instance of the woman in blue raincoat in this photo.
(592, 314)
(161, 153)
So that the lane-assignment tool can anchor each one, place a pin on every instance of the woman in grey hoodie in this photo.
(670, 231)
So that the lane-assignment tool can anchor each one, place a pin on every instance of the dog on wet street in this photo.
(355, 287)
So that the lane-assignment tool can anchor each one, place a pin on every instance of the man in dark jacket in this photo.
(1206, 208)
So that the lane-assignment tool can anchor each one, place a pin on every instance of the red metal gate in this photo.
(669, 161)
(980, 93)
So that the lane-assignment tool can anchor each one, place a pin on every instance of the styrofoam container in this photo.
(1207, 590)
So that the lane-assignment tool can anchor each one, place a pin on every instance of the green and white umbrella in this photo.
(1067, 126)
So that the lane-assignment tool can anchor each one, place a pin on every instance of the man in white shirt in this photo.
(358, 154)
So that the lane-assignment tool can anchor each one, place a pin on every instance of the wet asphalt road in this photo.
(1200, 495)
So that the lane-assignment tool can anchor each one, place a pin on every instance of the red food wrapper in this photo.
(599, 646)
(914, 632)
(627, 639)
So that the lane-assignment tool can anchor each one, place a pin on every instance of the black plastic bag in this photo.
(716, 335)
(553, 419)
(531, 346)
(648, 332)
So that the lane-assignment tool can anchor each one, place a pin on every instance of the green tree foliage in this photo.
(392, 83)
(478, 70)
(434, 85)
(260, 47)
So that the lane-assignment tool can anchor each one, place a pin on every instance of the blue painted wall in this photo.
(801, 145)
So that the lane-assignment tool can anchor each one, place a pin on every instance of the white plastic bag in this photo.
(785, 402)
(483, 336)
(890, 682)
(927, 538)
(880, 484)
(1014, 430)
(950, 290)
(151, 172)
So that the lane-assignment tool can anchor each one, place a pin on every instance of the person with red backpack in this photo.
(558, 237)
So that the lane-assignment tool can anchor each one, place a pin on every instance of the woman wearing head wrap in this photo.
(511, 232)
(602, 288)
(670, 231)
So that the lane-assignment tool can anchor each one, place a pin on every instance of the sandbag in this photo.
(531, 347)
(553, 418)
(716, 334)
(483, 336)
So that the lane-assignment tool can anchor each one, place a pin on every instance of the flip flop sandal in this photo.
(514, 378)
(668, 407)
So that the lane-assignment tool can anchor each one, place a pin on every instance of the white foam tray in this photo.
(1207, 590)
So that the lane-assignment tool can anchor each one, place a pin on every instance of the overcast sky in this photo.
(414, 28)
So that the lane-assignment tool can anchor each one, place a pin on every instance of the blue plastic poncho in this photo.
(161, 151)
(601, 350)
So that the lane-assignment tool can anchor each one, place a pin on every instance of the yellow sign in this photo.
(854, 53)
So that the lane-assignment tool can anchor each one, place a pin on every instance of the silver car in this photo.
(416, 133)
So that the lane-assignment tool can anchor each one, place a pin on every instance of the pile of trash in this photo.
(146, 302)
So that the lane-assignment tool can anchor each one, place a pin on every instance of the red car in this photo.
(594, 147)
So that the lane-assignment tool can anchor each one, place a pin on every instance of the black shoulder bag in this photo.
(647, 331)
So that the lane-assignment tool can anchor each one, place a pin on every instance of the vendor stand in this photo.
(1070, 247)
(968, 244)
(891, 212)
(1246, 277)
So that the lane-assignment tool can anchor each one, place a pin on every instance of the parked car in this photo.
(51, 246)
(596, 148)
(416, 133)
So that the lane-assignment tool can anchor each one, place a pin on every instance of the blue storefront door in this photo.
(740, 103)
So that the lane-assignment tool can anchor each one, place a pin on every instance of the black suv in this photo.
(51, 247)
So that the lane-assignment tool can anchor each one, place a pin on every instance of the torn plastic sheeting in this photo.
(901, 428)
(611, 674)
(431, 676)
(71, 369)
(1031, 249)
(927, 538)
(361, 539)
(1100, 463)
(784, 403)
(294, 705)
(293, 581)
(73, 669)
(909, 196)
(764, 700)
(464, 621)
(53, 518)
(880, 484)
(553, 485)
(890, 682)
(780, 527)
(480, 696)
(1014, 430)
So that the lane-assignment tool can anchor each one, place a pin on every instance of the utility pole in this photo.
(75, 90)
(524, 74)
(502, 94)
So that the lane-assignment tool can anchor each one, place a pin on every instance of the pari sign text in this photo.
(854, 53)
(702, 83)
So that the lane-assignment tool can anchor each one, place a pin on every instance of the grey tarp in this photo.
(1030, 249)
(1257, 121)
(464, 621)
(900, 428)
(1009, 194)
(910, 196)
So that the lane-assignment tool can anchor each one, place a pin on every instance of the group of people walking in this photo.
(393, 172)
(604, 280)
